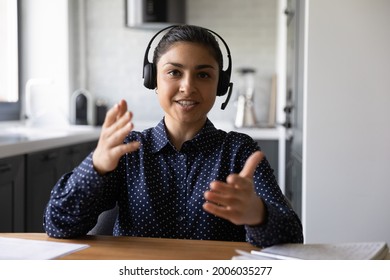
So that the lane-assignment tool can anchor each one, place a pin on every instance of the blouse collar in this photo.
(201, 140)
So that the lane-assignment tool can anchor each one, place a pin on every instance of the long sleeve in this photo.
(282, 224)
(76, 201)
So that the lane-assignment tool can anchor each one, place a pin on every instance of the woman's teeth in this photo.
(186, 103)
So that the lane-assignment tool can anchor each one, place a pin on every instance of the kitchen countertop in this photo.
(19, 139)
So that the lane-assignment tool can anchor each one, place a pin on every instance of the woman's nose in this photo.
(187, 84)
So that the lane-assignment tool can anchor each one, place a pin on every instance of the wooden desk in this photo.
(142, 248)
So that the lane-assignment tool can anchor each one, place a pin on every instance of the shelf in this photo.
(256, 133)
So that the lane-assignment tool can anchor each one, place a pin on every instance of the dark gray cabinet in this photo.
(12, 194)
(27, 180)
(43, 170)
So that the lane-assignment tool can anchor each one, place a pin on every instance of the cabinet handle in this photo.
(5, 168)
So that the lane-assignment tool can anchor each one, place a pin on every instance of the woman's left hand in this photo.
(236, 199)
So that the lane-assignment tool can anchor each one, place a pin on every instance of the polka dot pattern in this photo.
(159, 191)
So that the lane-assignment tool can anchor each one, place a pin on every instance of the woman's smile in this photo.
(187, 104)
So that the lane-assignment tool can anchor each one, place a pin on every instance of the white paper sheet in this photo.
(24, 249)
(340, 251)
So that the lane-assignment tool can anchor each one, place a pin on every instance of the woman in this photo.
(183, 178)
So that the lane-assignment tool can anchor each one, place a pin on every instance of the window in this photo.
(9, 70)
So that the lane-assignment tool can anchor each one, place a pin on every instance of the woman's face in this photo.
(187, 79)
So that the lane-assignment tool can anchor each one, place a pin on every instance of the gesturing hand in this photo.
(110, 148)
(236, 199)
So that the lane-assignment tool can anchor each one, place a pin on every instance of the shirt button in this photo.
(180, 218)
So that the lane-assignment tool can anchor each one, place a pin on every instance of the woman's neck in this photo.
(179, 132)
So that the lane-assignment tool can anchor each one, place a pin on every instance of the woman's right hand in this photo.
(117, 125)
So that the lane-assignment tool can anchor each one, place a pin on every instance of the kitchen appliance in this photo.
(245, 115)
(100, 112)
(81, 105)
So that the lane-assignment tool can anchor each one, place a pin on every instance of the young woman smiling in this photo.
(183, 178)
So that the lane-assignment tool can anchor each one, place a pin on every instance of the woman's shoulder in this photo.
(136, 135)
(236, 136)
(147, 133)
(228, 135)
(237, 143)
(229, 138)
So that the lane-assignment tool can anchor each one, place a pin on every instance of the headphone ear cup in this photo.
(150, 80)
(223, 83)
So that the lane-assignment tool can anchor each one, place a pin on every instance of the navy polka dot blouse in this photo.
(159, 191)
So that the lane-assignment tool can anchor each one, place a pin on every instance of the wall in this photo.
(347, 150)
(115, 53)
(45, 59)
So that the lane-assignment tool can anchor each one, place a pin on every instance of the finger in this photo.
(116, 112)
(223, 212)
(216, 210)
(111, 116)
(121, 123)
(251, 163)
(239, 182)
(122, 108)
(218, 186)
(215, 198)
(120, 150)
(117, 136)
(107, 161)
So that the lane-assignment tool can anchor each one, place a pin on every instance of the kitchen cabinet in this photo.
(43, 170)
(12, 194)
(271, 151)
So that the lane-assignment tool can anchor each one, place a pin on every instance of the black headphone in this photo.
(224, 84)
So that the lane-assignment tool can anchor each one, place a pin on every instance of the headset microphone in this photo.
(224, 85)
(224, 104)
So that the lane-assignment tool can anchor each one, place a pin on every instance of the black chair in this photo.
(105, 223)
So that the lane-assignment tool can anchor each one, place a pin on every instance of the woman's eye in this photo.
(174, 73)
(203, 75)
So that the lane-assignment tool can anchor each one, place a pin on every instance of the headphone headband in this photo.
(146, 61)
(224, 85)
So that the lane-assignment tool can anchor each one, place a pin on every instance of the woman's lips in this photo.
(186, 103)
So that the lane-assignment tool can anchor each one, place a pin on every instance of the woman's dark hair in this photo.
(192, 34)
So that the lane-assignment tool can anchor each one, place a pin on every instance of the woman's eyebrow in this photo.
(203, 66)
(198, 67)
(174, 64)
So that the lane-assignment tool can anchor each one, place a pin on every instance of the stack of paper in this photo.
(23, 249)
(343, 251)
